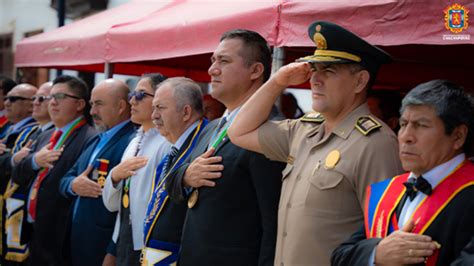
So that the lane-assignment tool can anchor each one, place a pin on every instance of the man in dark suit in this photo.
(15, 194)
(91, 223)
(233, 204)
(178, 116)
(18, 109)
(433, 203)
(51, 157)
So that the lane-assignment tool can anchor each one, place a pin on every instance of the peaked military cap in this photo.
(336, 45)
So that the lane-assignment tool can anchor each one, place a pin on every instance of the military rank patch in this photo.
(313, 117)
(366, 124)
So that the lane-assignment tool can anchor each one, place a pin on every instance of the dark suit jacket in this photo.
(453, 229)
(235, 222)
(467, 255)
(169, 226)
(5, 158)
(92, 224)
(52, 209)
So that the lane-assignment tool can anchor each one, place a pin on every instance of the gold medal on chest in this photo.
(125, 200)
(332, 159)
(101, 181)
(193, 198)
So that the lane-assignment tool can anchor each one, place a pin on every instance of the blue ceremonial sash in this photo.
(159, 253)
(23, 137)
(159, 195)
(380, 205)
(15, 212)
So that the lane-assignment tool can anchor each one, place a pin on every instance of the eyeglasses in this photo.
(139, 95)
(61, 96)
(13, 99)
(40, 98)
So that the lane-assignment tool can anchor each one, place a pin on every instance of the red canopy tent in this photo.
(179, 38)
(83, 44)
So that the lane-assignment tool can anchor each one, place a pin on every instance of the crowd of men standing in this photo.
(111, 176)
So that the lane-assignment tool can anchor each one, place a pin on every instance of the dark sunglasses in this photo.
(61, 96)
(40, 98)
(13, 99)
(139, 95)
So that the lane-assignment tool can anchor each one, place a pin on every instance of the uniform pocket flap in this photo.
(326, 179)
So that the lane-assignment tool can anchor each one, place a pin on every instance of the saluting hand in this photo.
(404, 247)
(46, 157)
(127, 168)
(21, 154)
(292, 74)
(202, 169)
(85, 187)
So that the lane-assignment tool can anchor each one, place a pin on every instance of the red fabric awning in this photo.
(178, 39)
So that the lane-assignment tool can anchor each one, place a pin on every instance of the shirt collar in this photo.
(21, 123)
(113, 130)
(438, 173)
(69, 125)
(185, 135)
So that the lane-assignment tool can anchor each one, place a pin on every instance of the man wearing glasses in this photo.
(18, 109)
(50, 158)
(91, 223)
(16, 193)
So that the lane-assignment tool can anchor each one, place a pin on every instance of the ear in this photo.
(257, 70)
(362, 80)
(187, 112)
(122, 106)
(459, 136)
(81, 104)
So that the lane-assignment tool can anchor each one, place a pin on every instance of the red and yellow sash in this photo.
(382, 199)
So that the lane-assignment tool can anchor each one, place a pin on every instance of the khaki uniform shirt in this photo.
(321, 205)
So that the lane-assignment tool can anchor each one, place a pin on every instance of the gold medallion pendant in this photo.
(101, 181)
(125, 200)
(193, 198)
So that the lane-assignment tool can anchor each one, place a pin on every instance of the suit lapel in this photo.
(116, 138)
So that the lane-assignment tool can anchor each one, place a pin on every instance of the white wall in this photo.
(21, 16)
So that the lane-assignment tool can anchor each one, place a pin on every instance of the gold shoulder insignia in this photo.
(313, 117)
(366, 124)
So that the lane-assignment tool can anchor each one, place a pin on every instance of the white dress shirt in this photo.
(154, 147)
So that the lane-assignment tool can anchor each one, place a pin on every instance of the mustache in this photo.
(157, 122)
(96, 117)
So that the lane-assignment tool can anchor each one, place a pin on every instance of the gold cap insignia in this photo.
(319, 39)
(332, 159)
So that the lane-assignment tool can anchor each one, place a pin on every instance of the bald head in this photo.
(18, 103)
(109, 104)
(40, 103)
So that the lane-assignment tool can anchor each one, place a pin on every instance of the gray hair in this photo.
(185, 92)
(452, 105)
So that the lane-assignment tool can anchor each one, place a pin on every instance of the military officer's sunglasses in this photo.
(139, 95)
(13, 99)
(61, 96)
(40, 98)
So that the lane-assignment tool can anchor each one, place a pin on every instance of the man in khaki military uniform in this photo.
(332, 155)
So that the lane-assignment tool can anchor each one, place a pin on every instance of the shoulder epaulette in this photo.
(313, 117)
(366, 124)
